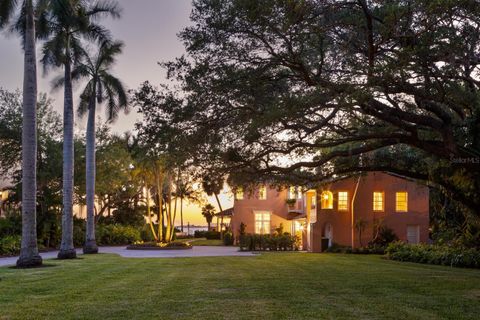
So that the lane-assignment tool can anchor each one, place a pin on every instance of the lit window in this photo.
(262, 193)
(343, 201)
(239, 193)
(262, 223)
(297, 227)
(327, 200)
(402, 201)
(378, 202)
(292, 192)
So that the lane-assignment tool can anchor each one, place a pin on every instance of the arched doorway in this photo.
(328, 233)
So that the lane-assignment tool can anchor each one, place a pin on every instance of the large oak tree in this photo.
(321, 89)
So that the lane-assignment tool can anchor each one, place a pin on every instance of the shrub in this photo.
(434, 254)
(10, 245)
(212, 235)
(384, 237)
(11, 224)
(228, 238)
(78, 232)
(117, 235)
(199, 234)
(263, 242)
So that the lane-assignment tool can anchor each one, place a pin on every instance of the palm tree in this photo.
(25, 25)
(208, 211)
(101, 86)
(213, 186)
(69, 20)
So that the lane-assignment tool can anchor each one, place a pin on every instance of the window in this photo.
(342, 201)
(239, 193)
(378, 201)
(413, 234)
(327, 200)
(401, 203)
(262, 193)
(292, 192)
(262, 223)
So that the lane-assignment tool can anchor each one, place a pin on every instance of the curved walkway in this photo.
(196, 251)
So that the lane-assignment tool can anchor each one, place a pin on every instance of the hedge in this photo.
(263, 242)
(434, 254)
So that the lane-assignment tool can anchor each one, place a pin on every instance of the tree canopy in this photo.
(322, 89)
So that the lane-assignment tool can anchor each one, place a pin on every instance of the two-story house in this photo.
(345, 212)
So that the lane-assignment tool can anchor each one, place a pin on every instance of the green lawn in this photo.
(268, 286)
(205, 242)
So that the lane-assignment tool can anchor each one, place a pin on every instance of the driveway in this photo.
(196, 251)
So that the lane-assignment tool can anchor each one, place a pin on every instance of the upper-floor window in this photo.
(262, 193)
(401, 202)
(239, 193)
(378, 201)
(292, 192)
(342, 201)
(262, 223)
(327, 200)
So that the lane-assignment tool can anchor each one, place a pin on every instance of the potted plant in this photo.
(291, 203)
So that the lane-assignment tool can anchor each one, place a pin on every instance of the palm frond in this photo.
(7, 9)
(85, 99)
(53, 52)
(104, 8)
(96, 32)
(118, 89)
(107, 53)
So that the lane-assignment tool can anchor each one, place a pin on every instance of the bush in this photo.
(10, 245)
(228, 238)
(212, 235)
(434, 254)
(11, 224)
(263, 242)
(78, 232)
(385, 236)
(199, 234)
(371, 249)
(117, 235)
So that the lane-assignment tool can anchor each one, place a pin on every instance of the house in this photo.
(348, 213)
(267, 207)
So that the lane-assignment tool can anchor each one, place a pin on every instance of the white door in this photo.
(328, 232)
(413, 234)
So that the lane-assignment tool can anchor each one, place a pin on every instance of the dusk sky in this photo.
(149, 30)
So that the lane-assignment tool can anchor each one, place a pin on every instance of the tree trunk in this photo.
(168, 207)
(149, 214)
(181, 213)
(221, 220)
(67, 251)
(159, 182)
(90, 246)
(29, 256)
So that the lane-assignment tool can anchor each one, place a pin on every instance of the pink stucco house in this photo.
(332, 211)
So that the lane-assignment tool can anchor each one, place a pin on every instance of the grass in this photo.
(267, 286)
(205, 242)
(200, 242)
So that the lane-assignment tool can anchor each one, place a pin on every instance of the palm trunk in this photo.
(29, 256)
(90, 243)
(67, 251)
(159, 182)
(149, 214)
(181, 213)
(168, 207)
(221, 210)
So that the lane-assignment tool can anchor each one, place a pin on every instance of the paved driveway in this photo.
(199, 251)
